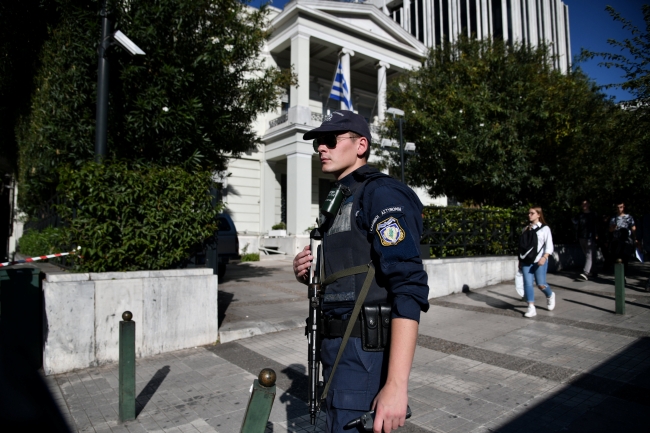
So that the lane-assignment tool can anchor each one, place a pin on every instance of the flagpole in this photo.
(329, 95)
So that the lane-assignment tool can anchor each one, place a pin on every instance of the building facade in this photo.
(526, 21)
(375, 41)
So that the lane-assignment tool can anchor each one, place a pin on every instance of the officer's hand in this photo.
(301, 264)
(390, 409)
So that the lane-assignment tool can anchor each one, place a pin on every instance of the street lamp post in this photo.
(102, 86)
(401, 148)
(397, 112)
(109, 38)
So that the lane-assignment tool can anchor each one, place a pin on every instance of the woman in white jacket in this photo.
(538, 269)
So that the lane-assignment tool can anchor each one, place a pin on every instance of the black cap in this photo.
(341, 120)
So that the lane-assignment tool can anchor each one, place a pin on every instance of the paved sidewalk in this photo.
(479, 365)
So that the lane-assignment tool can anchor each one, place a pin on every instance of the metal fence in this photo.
(46, 216)
(464, 232)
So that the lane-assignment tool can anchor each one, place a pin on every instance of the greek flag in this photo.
(340, 90)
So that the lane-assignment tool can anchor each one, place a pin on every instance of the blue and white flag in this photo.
(340, 90)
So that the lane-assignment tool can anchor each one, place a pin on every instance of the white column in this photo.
(299, 111)
(407, 15)
(486, 15)
(345, 64)
(381, 89)
(298, 192)
(268, 199)
(561, 36)
(524, 24)
(533, 30)
(515, 9)
(299, 94)
(546, 21)
(451, 17)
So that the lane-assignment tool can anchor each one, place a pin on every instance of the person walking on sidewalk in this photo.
(623, 230)
(586, 225)
(537, 270)
(378, 226)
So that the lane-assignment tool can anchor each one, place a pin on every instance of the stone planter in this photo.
(278, 233)
(173, 309)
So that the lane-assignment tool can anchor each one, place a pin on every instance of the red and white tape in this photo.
(37, 258)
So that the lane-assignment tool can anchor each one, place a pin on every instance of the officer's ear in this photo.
(362, 148)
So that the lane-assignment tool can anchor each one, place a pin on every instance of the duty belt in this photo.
(334, 328)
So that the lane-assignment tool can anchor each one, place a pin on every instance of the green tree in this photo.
(495, 124)
(631, 155)
(23, 30)
(633, 57)
(190, 101)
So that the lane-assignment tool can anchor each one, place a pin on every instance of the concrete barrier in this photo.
(447, 276)
(174, 309)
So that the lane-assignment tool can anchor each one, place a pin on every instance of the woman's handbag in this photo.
(519, 282)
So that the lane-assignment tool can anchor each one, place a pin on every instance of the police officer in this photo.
(379, 222)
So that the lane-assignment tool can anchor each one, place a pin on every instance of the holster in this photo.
(375, 327)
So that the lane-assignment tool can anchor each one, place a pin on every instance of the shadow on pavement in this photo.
(514, 298)
(225, 299)
(489, 300)
(588, 305)
(613, 397)
(240, 272)
(636, 304)
(150, 389)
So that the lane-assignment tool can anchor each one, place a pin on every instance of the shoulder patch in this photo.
(390, 232)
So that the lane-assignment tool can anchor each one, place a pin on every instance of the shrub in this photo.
(39, 243)
(250, 257)
(462, 232)
(279, 226)
(134, 219)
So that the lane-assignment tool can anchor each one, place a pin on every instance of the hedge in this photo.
(463, 232)
(134, 219)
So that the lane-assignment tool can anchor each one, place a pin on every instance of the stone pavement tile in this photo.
(230, 422)
(135, 428)
(550, 372)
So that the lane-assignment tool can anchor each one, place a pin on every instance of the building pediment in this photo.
(359, 22)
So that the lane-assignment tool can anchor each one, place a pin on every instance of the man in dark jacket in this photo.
(586, 223)
(379, 222)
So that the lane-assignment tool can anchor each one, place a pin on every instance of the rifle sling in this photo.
(355, 312)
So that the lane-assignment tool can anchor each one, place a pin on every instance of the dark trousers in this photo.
(356, 382)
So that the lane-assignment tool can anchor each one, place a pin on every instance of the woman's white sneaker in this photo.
(531, 312)
(551, 302)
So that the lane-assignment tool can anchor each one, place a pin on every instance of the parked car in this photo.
(217, 251)
(227, 243)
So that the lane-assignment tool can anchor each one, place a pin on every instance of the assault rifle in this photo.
(313, 330)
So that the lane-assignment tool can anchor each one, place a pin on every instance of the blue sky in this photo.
(591, 27)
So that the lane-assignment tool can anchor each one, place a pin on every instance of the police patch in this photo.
(390, 232)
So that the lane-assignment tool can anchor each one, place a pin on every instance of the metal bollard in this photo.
(619, 282)
(260, 403)
(127, 368)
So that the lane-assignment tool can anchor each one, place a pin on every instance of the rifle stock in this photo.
(313, 325)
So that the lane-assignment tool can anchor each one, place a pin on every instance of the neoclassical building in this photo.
(375, 41)
(526, 21)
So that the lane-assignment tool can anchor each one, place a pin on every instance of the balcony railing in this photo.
(315, 117)
(279, 120)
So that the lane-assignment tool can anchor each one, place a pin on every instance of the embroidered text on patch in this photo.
(390, 232)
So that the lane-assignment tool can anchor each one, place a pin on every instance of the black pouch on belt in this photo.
(375, 325)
